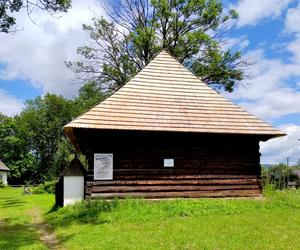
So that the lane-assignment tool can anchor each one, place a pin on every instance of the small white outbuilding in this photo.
(70, 187)
(3, 172)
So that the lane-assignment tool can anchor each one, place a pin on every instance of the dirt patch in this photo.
(45, 235)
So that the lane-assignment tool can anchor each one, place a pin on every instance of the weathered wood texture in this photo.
(205, 165)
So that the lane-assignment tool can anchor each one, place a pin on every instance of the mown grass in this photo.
(269, 223)
(272, 222)
(16, 231)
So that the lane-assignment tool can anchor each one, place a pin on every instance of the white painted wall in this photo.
(73, 189)
(3, 176)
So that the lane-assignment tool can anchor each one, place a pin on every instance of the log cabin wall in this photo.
(204, 165)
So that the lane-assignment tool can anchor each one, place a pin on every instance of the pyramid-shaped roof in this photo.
(165, 96)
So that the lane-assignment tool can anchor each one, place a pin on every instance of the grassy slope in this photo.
(15, 229)
(269, 223)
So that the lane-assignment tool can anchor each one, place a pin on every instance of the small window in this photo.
(168, 163)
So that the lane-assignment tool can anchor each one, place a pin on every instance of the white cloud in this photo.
(292, 21)
(243, 44)
(292, 25)
(278, 149)
(9, 105)
(294, 48)
(38, 52)
(267, 94)
(239, 42)
(253, 11)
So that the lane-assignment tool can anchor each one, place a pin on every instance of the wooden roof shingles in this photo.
(165, 96)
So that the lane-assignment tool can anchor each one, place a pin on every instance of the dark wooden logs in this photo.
(193, 188)
(124, 189)
(183, 194)
(177, 182)
(205, 165)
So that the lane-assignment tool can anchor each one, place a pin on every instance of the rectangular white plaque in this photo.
(103, 166)
(168, 163)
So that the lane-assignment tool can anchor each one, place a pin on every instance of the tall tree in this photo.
(138, 29)
(13, 151)
(33, 144)
(8, 7)
(41, 125)
(89, 95)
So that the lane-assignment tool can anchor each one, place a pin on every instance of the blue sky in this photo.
(267, 32)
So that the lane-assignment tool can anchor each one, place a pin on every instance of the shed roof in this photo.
(166, 96)
(3, 167)
(75, 168)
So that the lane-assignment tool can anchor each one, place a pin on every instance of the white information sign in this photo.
(169, 163)
(103, 166)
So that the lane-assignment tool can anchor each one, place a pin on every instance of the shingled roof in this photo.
(3, 167)
(165, 96)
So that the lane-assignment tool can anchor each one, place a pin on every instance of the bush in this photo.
(2, 185)
(278, 176)
(47, 187)
(265, 177)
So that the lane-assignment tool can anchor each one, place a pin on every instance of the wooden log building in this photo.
(167, 134)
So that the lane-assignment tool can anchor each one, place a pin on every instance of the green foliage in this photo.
(137, 30)
(41, 126)
(8, 7)
(13, 150)
(217, 66)
(265, 178)
(278, 176)
(89, 95)
(24, 168)
(2, 185)
(33, 144)
(47, 187)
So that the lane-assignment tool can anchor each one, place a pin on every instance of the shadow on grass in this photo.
(13, 202)
(53, 209)
(16, 235)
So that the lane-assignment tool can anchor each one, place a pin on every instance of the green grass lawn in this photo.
(272, 222)
(16, 231)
